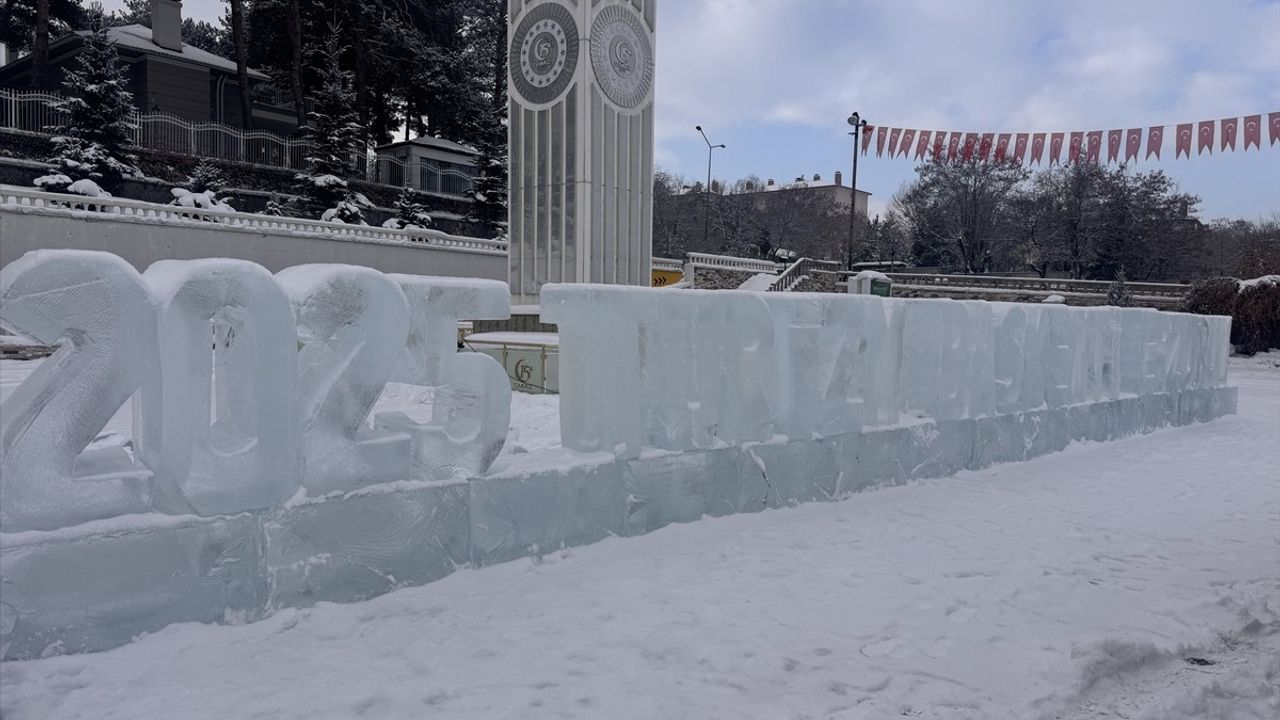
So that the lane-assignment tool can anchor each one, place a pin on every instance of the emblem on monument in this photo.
(544, 52)
(622, 56)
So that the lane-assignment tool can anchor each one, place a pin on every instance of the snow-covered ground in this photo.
(1136, 579)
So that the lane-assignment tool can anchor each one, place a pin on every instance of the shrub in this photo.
(1256, 316)
(1215, 296)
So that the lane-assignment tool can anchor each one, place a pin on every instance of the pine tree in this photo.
(410, 212)
(489, 208)
(276, 207)
(334, 134)
(206, 176)
(96, 139)
(1118, 294)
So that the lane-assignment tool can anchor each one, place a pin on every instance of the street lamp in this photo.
(706, 222)
(858, 125)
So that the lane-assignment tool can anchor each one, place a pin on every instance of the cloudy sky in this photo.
(775, 80)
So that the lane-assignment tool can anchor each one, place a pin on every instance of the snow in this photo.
(872, 275)
(1054, 299)
(88, 188)
(514, 338)
(205, 200)
(1069, 587)
(1263, 281)
(759, 282)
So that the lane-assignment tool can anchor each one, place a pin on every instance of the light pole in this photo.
(706, 221)
(859, 125)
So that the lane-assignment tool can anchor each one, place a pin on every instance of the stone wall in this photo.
(708, 278)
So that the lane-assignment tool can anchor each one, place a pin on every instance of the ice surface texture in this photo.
(705, 369)
(249, 386)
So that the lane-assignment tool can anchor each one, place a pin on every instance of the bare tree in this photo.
(963, 206)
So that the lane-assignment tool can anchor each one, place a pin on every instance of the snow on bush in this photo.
(205, 200)
(88, 188)
(1054, 300)
(1254, 306)
(411, 213)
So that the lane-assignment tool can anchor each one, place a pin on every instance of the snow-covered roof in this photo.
(438, 143)
(138, 37)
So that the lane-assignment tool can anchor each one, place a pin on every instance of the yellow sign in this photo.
(666, 278)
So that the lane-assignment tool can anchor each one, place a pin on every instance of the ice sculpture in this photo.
(98, 307)
(471, 411)
(228, 337)
(352, 326)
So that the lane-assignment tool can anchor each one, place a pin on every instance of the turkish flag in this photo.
(908, 139)
(1185, 131)
(1155, 140)
(894, 134)
(1206, 137)
(1037, 148)
(1055, 148)
(1253, 131)
(866, 138)
(1073, 150)
(1020, 147)
(1133, 145)
(1229, 127)
(953, 146)
(970, 145)
(881, 134)
(939, 144)
(984, 147)
(1002, 147)
(1095, 146)
(922, 145)
(1273, 122)
(1114, 139)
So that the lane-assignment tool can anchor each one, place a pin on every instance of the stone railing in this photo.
(807, 269)
(1053, 285)
(13, 197)
(724, 262)
(668, 264)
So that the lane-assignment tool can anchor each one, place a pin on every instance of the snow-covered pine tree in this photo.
(410, 212)
(276, 207)
(95, 141)
(489, 208)
(335, 141)
(1118, 294)
(206, 176)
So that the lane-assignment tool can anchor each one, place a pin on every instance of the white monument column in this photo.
(581, 143)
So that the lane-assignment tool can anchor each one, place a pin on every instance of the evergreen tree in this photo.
(276, 207)
(95, 142)
(1118, 294)
(489, 208)
(335, 142)
(29, 25)
(410, 211)
(206, 176)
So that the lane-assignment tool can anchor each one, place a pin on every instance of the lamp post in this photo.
(858, 125)
(706, 221)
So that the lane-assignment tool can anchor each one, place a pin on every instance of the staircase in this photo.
(808, 275)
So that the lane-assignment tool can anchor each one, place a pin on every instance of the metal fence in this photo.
(33, 113)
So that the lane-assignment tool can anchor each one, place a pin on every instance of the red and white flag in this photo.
(1229, 129)
(1155, 141)
(1185, 132)
(939, 144)
(922, 145)
(1055, 148)
(1115, 139)
(1132, 145)
(1253, 131)
(866, 138)
(1095, 146)
(953, 146)
(1273, 122)
(1020, 148)
(970, 145)
(985, 146)
(1073, 150)
(882, 133)
(1037, 148)
(1002, 147)
(904, 144)
(894, 134)
(1206, 137)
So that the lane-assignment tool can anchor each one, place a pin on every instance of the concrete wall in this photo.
(142, 243)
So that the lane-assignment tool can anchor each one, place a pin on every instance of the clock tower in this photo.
(581, 90)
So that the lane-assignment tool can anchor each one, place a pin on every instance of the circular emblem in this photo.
(622, 56)
(544, 51)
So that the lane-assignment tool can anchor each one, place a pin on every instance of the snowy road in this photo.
(1073, 586)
